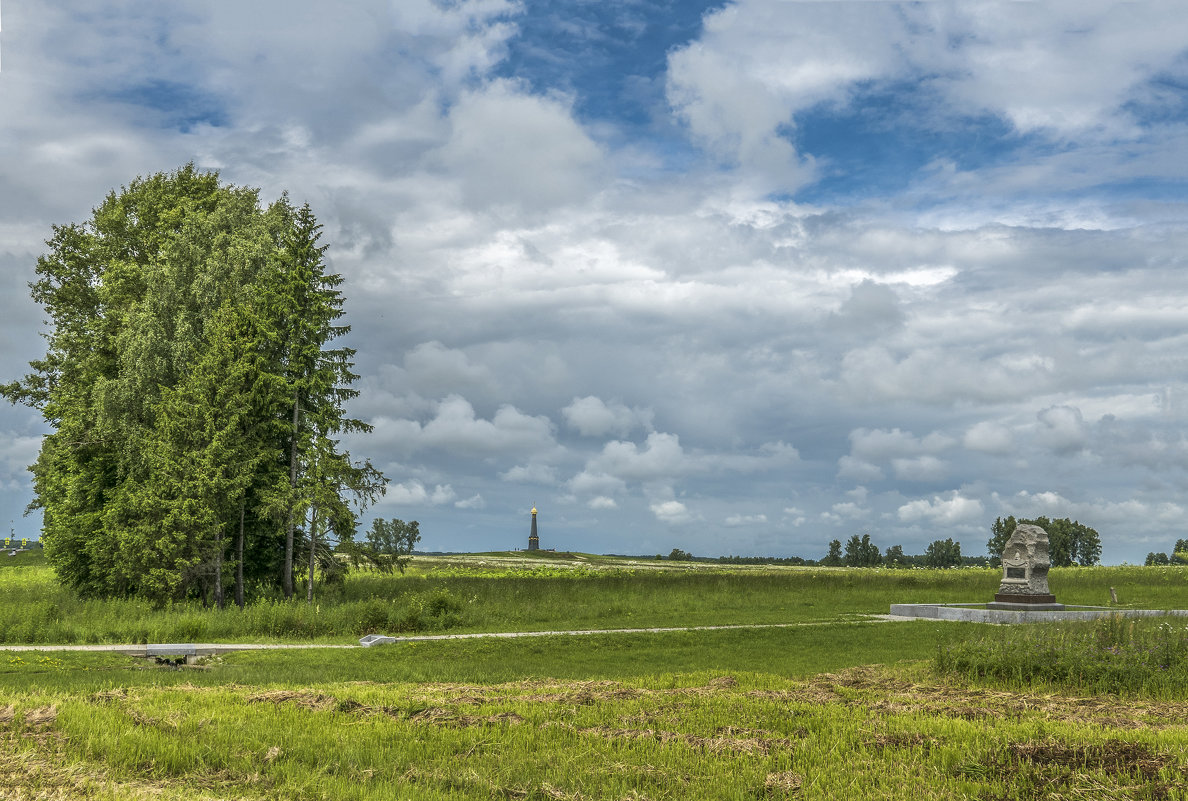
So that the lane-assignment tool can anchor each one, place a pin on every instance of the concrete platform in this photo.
(979, 613)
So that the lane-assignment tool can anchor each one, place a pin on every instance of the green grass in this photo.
(30, 558)
(707, 715)
(950, 710)
(1110, 655)
(510, 593)
(800, 651)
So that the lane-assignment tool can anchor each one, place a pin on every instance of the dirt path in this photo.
(207, 649)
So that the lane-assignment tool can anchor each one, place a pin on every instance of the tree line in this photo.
(194, 394)
(1070, 543)
(1179, 555)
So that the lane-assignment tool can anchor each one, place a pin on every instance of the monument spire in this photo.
(533, 540)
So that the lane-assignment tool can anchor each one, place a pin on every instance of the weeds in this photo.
(1110, 655)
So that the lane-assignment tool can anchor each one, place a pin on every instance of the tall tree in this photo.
(308, 300)
(861, 552)
(834, 557)
(187, 333)
(943, 553)
(895, 557)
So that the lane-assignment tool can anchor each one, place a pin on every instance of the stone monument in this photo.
(1025, 563)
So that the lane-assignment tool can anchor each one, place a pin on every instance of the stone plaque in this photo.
(1025, 563)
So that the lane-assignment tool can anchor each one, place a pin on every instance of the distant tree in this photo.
(1179, 555)
(861, 552)
(1069, 542)
(387, 546)
(1000, 532)
(677, 555)
(943, 553)
(895, 557)
(1156, 559)
(853, 555)
(834, 557)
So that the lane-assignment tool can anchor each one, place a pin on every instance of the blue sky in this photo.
(735, 277)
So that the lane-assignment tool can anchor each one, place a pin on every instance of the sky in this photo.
(733, 277)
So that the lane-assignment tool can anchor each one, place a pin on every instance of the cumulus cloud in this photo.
(919, 468)
(857, 469)
(533, 473)
(1062, 429)
(1134, 515)
(660, 458)
(593, 417)
(849, 510)
(954, 510)
(586, 483)
(414, 493)
(545, 157)
(437, 370)
(879, 444)
(989, 437)
(602, 502)
(17, 452)
(473, 502)
(671, 512)
(455, 427)
(735, 521)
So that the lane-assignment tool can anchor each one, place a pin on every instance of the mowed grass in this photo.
(783, 713)
(510, 593)
(835, 708)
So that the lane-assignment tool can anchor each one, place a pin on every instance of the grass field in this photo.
(842, 708)
(515, 593)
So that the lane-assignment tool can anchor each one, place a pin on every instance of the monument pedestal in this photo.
(1026, 599)
(1025, 602)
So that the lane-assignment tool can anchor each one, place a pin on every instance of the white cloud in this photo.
(543, 157)
(858, 470)
(661, 458)
(473, 502)
(532, 473)
(456, 428)
(951, 511)
(17, 452)
(592, 417)
(989, 437)
(735, 521)
(436, 370)
(414, 493)
(671, 512)
(1133, 515)
(919, 468)
(849, 510)
(587, 482)
(879, 444)
(1062, 429)
(602, 502)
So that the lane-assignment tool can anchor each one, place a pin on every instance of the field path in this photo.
(208, 649)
